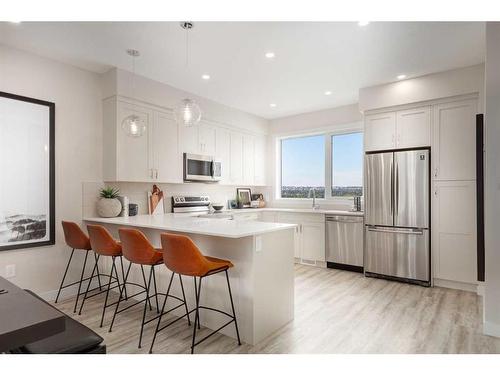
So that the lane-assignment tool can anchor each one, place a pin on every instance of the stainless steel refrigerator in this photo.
(397, 238)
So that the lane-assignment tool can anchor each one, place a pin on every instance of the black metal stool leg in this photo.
(64, 276)
(88, 286)
(123, 278)
(107, 291)
(161, 314)
(96, 257)
(120, 298)
(184, 298)
(196, 297)
(81, 279)
(196, 318)
(144, 279)
(156, 290)
(145, 306)
(232, 308)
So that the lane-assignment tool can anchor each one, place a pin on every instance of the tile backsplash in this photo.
(137, 193)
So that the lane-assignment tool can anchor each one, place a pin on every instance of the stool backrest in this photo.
(135, 246)
(102, 241)
(74, 236)
(181, 255)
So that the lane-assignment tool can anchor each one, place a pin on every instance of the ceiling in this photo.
(310, 57)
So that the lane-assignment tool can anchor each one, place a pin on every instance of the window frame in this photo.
(327, 135)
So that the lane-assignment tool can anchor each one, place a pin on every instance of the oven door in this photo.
(198, 167)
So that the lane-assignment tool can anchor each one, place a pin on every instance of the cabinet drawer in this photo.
(289, 217)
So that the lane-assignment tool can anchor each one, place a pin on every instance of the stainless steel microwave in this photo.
(201, 168)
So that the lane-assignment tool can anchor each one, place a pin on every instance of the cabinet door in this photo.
(133, 154)
(260, 161)
(207, 135)
(166, 154)
(454, 141)
(236, 166)
(413, 127)
(223, 153)
(313, 241)
(287, 218)
(248, 159)
(454, 230)
(189, 139)
(380, 130)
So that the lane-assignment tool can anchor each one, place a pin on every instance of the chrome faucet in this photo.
(313, 191)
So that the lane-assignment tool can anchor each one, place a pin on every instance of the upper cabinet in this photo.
(454, 141)
(380, 131)
(398, 129)
(157, 156)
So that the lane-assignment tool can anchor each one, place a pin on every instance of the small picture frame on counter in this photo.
(244, 197)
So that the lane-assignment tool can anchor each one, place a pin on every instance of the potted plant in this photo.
(109, 205)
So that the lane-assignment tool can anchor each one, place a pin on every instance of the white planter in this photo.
(109, 207)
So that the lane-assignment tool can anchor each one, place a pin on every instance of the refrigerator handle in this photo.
(392, 188)
(396, 188)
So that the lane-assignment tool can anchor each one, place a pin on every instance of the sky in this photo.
(303, 160)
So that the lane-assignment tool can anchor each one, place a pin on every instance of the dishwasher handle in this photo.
(345, 219)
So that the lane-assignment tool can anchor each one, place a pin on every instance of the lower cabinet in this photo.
(454, 231)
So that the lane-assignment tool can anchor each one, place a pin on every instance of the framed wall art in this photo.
(27, 176)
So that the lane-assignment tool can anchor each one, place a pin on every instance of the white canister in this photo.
(124, 201)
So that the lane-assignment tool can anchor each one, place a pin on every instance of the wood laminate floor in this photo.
(335, 312)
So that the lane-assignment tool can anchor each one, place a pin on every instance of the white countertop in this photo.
(195, 225)
(297, 210)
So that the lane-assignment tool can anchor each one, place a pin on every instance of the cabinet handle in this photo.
(156, 174)
(435, 192)
(435, 172)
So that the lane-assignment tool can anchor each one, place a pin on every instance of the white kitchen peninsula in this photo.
(262, 279)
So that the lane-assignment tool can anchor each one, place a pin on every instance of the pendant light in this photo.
(187, 113)
(133, 125)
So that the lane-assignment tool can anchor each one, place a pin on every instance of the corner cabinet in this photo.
(157, 156)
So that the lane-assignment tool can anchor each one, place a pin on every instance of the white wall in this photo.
(145, 89)
(329, 120)
(430, 87)
(77, 95)
(492, 183)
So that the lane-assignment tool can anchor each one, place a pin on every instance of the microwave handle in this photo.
(212, 168)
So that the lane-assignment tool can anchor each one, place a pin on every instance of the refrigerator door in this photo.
(379, 197)
(398, 252)
(411, 189)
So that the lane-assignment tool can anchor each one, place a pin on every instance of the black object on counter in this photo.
(133, 208)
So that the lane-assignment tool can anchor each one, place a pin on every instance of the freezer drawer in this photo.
(344, 240)
(398, 252)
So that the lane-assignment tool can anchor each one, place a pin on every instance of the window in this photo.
(347, 165)
(319, 161)
(303, 166)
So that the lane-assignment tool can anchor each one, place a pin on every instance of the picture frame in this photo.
(244, 197)
(27, 161)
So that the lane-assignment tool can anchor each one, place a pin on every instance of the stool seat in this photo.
(216, 264)
(75, 237)
(155, 259)
(102, 242)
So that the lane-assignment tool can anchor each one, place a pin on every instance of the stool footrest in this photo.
(214, 332)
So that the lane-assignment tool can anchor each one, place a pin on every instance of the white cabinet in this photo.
(413, 127)
(248, 159)
(223, 153)
(188, 139)
(398, 129)
(380, 131)
(260, 161)
(207, 139)
(454, 231)
(454, 141)
(167, 159)
(309, 236)
(236, 167)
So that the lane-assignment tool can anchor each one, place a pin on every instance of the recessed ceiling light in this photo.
(328, 93)
(205, 77)
(269, 55)
(363, 23)
(272, 105)
(401, 76)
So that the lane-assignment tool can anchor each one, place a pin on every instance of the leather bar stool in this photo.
(182, 257)
(104, 245)
(76, 239)
(138, 250)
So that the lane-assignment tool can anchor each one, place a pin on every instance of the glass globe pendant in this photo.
(134, 126)
(188, 113)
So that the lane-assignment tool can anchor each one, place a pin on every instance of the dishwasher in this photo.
(344, 242)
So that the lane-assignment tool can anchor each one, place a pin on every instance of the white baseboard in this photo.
(66, 293)
(480, 288)
(456, 285)
(491, 329)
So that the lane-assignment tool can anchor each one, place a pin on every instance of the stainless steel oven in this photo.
(201, 168)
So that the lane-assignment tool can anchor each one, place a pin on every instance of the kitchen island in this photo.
(262, 279)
